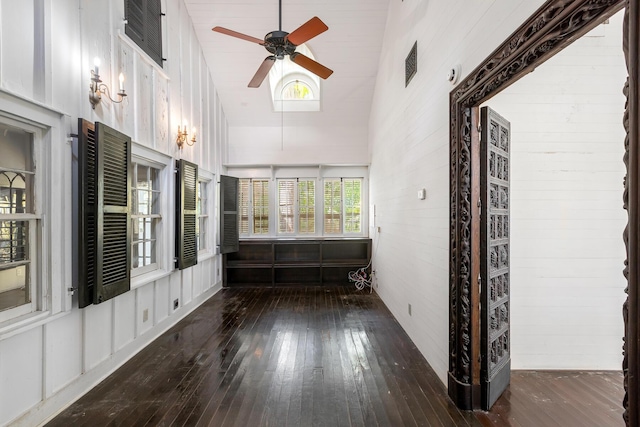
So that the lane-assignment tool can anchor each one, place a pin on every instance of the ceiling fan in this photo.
(280, 43)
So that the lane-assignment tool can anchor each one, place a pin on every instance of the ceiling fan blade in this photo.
(307, 31)
(232, 33)
(311, 65)
(262, 72)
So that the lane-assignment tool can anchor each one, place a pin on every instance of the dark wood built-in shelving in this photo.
(295, 262)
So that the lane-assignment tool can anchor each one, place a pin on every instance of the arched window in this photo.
(294, 88)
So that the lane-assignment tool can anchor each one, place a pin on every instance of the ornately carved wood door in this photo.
(494, 256)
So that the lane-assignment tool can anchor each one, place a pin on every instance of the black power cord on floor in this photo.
(360, 276)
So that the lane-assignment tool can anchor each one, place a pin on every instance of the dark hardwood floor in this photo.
(321, 356)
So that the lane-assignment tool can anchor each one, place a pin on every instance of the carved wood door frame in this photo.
(555, 25)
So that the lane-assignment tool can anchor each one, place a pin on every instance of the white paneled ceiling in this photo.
(351, 48)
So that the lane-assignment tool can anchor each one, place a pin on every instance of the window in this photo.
(307, 206)
(254, 206)
(286, 202)
(260, 206)
(145, 217)
(302, 201)
(294, 88)
(144, 26)
(244, 196)
(332, 206)
(342, 206)
(18, 221)
(352, 202)
(296, 206)
(202, 225)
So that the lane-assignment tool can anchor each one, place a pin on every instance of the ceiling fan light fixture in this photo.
(281, 43)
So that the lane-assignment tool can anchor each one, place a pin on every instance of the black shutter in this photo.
(114, 225)
(87, 203)
(229, 238)
(134, 15)
(186, 200)
(144, 26)
(153, 27)
(104, 227)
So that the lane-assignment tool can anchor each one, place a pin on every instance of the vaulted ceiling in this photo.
(351, 48)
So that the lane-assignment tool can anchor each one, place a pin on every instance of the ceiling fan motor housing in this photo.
(276, 43)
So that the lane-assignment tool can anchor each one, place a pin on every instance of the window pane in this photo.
(297, 90)
(14, 242)
(14, 188)
(307, 206)
(146, 202)
(142, 177)
(16, 148)
(200, 234)
(332, 206)
(143, 202)
(154, 181)
(352, 203)
(14, 287)
(144, 253)
(243, 205)
(286, 194)
(137, 252)
(261, 206)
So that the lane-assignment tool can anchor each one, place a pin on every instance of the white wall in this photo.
(567, 252)
(47, 361)
(409, 149)
(297, 144)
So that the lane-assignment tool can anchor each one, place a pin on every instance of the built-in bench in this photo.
(286, 262)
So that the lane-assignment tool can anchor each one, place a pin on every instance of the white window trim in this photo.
(38, 286)
(163, 266)
(52, 166)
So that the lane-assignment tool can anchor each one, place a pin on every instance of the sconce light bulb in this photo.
(96, 65)
(121, 79)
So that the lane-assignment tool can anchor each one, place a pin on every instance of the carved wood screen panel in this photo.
(494, 255)
(551, 28)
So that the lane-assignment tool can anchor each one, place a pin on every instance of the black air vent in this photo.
(411, 64)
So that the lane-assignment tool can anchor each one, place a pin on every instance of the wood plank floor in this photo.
(314, 356)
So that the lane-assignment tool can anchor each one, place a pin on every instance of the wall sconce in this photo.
(182, 137)
(97, 88)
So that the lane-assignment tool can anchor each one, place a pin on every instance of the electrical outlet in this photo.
(176, 304)
(409, 309)
(145, 315)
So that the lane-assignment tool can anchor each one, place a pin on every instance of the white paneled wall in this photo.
(409, 149)
(47, 362)
(567, 252)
